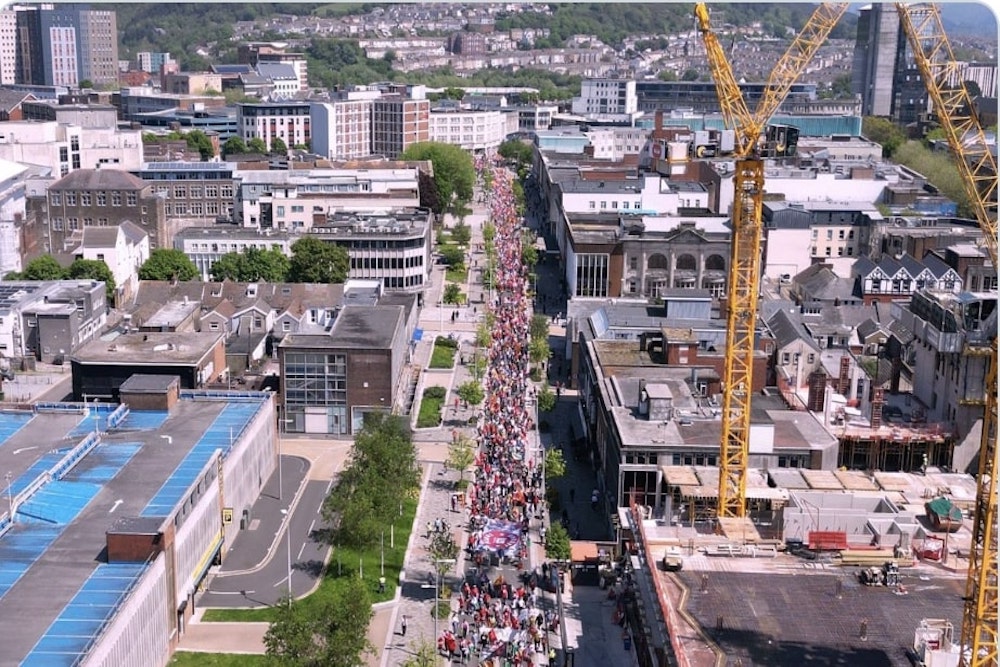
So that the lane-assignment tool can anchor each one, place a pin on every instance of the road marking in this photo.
(312, 525)
(232, 592)
(280, 582)
(301, 549)
(24, 449)
(115, 506)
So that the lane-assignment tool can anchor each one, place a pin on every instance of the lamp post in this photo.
(437, 578)
(284, 429)
(288, 553)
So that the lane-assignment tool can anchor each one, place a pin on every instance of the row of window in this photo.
(85, 198)
(592, 205)
(840, 234)
(73, 224)
(194, 208)
(387, 262)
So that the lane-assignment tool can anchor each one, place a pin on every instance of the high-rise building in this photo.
(8, 46)
(97, 44)
(61, 45)
(884, 72)
(398, 122)
(341, 129)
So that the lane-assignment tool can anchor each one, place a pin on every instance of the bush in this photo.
(445, 341)
(435, 392)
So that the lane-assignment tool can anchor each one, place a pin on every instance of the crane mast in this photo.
(745, 260)
(977, 166)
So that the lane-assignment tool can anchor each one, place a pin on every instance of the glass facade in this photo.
(317, 380)
(592, 275)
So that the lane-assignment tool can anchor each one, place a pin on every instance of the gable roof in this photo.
(12, 99)
(937, 266)
(133, 232)
(98, 179)
(912, 264)
(787, 328)
(820, 283)
(274, 71)
(862, 267)
(889, 265)
(100, 237)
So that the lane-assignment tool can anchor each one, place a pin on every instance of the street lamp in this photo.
(288, 552)
(10, 497)
(437, 577)
(284, 429)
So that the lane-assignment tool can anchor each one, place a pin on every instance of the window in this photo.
(116, 199)
(55, 198)
(214, 326)
(88, 222)
(828, 251)
(829, 235)
(131, 199)
(786, 358)
(212, 191)
(180, 192)
(286, 325)
(811, 358)
(57, 224)
(74, 224)
(840, 234)
(592, 205)
(196, 208)
(70, 199)
(637, 205)
(84, 199)
(604, 204)
(280, 211)
(592, 275)
(614, 204)
(226, 191)
(633, 263)
(102, 198)
(195, 192)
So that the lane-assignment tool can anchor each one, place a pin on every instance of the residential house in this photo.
(890, 279)
(124, 248)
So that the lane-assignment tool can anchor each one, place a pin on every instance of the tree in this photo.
(452, 294)
(316, 261)
(333, 635)
(546, 399)
(168, 264)
(381, 473)
(198, 140)
(471, 392)
(94, 269)
(539, 350)
(234, 146)
(690, 74)
(489, 232)
(424, 655)
(529, 253)
(539, 326)
(278, 146)
(86, 83)
(252, 265)
(461, 234)
(557, 543)
(667, 75)
(883, 131)
(257, 145)
(454, 173)
(44, 267)
(453, 256)
(555, 464)
(461, 455)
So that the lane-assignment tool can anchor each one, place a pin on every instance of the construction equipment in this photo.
(977, 166)
(744, 262)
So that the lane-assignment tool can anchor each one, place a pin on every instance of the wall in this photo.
(139, 635)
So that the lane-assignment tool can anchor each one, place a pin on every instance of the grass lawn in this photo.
(343, 563)
(193, 659)
(443, 355)
(457, 274)
(429, 415)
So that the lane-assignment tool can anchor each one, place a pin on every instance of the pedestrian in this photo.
(454, 502)
(381, 584)
(402, 627)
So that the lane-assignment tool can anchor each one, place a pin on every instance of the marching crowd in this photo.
(501, 622)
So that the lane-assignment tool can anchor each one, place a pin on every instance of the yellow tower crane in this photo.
(977, 166)
(744, 261)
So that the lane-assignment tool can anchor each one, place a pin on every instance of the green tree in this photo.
(484, 334)
(423, 654)
(86, 83)
(555, 464)
(278, 146)
(454, 173)
(667, 75)
(883, 131)
(538, 350)
(251, 265)
(257, 145)
(453, 93)
(557, 543)
(489, 232)
(168, 264)
(199, 141)
(461, 234)
(316, 261)
(44, 267)
(334, 635)
(94, 269)
(471, 392)
(453, 256)
(539, 326)
(461, 455)
(234, 146)
(452, 294)
(529, 253)
(546, 399)
(382, 471)
(444, 551)
(690, 74)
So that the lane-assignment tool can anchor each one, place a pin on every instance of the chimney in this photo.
(844, 380)
(817, 391)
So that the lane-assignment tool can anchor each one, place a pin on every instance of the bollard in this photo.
(864, 629)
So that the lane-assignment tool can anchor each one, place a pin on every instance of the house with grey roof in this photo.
(818, 286)
(124, 248)
(891, 279)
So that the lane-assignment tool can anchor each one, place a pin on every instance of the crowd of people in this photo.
(502, 622)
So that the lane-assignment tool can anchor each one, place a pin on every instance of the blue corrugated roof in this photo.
(69, 637)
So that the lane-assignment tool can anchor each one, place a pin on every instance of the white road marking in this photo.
(115, 506)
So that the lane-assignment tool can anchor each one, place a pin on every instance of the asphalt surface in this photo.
(255, 569)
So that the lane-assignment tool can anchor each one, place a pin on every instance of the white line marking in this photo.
(115, 506)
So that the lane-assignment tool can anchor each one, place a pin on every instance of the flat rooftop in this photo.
(52, 558)
(157, 348)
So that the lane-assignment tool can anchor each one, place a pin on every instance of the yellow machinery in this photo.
(976, 164)
(745, 260)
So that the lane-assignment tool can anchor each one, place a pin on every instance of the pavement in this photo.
(254, 571)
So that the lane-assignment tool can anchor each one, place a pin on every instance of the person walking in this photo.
(402, 627)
